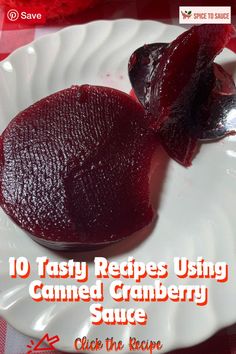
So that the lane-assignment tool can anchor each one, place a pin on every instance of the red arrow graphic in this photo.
(44, 344)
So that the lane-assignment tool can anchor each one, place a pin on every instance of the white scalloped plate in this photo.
(196, 211)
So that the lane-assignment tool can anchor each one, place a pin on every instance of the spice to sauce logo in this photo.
(204, 14)
(26, 15)
(186, 14)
